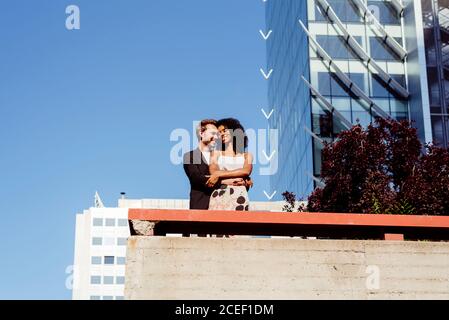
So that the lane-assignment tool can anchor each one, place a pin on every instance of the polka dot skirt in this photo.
(229, 198)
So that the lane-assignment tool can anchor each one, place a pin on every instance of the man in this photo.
(196, 166)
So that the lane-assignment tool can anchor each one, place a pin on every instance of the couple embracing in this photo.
(219, 169)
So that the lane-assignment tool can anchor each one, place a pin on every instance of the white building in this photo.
(100, 245)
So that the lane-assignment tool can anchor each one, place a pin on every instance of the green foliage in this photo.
(377, 207)
(402, 207)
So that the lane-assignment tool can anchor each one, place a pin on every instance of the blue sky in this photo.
(93, 109)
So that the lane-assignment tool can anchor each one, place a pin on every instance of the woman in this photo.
(230, 161)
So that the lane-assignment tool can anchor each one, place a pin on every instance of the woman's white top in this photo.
(230, 163)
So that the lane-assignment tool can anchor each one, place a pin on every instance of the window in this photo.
(122, 222)
(342, 105)
(108, 298)
(383, 103)
(108, 260)
(381, 51)
(431, 52)
(121, 260)
(110, 222)
(96, 260)
(317, 148)
(97, 222)
(337, 87)
(337, 125)
(108, 241)
(398, 106)
(319, 14)
(121, 241)
(324, 83)
(345, 10)
(108, 280)
(358, 79)
(120, 298)
(383, 12)
(95, 279)
(400, 78)
(434, 85)
(360, 114)
(337, 47)
(95, 297)
(120, 280)
(378, 90)
(97, 241)
(321, 121)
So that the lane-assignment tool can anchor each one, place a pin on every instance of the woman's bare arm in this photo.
(217, 174)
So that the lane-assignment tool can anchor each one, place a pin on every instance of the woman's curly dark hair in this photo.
(239, 138)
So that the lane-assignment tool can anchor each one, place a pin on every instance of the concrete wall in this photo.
(251, 268)
(184, 204)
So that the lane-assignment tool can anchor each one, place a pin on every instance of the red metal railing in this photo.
(322, 225)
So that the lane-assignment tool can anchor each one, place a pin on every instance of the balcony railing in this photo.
(156, 222)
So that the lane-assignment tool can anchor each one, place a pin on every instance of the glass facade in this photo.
(302, 119)
(288, 56)
(436, 39)
(328, 83)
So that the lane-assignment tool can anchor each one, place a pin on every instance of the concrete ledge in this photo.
(252, 268)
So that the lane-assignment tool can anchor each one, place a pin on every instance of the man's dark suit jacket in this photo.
(196, 169)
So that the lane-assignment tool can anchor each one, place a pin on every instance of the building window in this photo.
(338, 88)
(122, 222)
(110, 222)
(383, 12)
(121, 260)
(343, 105)
(360, 114)
(381, 51)
(378, 90)
(120, 298)
(317, 148)
(96, 241)
(344, 9)
(324, 83)
(120, 280)
(398, 106)
(108, 298)
(109, 260)
(121, 241)
(337, 47)
(108, 241)
(96, 260)
(438, 128)
(95, 298)
(400, 78)
(319, 14)
(108, 280)
(325, 124)
(359, 80)
(434, 86)
(97, 222)
(95, 279)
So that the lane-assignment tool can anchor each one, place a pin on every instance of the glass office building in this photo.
(337, 63)
(436, 38)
